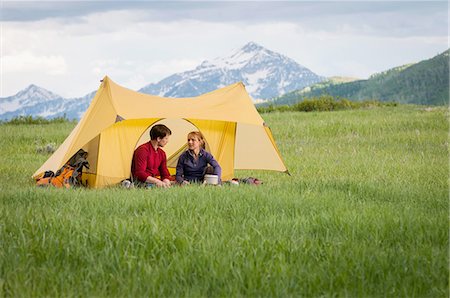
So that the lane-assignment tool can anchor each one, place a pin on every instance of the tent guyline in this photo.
(118, 120)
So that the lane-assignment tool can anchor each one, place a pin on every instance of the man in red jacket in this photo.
(149, 160)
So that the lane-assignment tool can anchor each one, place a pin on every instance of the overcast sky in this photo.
(67, 47)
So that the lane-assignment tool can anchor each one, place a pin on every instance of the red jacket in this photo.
(148, 162)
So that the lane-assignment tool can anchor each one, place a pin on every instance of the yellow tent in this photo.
(118, 120)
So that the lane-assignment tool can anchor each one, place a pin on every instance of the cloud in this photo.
(383, 17)
(137, 43)
(28, 62)
(135, 74)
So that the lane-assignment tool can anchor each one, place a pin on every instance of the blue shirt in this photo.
(193, 170)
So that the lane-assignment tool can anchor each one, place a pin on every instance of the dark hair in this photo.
(159, 131)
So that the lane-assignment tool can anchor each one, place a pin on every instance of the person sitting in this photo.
(193, 163)
(149, 164)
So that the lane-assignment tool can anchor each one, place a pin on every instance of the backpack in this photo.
(69, 175)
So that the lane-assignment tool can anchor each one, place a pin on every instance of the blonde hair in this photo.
(199, 137)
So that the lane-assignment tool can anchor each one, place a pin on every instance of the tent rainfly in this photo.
(118, 120)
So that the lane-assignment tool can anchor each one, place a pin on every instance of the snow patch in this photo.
(9, 106)
(253, 79)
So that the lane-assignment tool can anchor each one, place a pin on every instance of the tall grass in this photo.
(365, 213)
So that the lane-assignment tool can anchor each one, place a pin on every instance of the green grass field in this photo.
(364, 214)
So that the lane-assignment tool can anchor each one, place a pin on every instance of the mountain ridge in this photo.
(425, 82)
(40, 102)
(265, 74)
(25, 97)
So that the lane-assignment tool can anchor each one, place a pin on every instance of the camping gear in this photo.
(211, 179)
(127, 184)
(118, 120)
(69, 175)
(250, 180)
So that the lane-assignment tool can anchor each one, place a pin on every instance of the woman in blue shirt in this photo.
(193, 162)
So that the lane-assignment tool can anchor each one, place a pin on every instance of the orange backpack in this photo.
(69, 175)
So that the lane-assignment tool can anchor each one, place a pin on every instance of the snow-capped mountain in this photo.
(265, 74)
(29, 96)
(37, 101)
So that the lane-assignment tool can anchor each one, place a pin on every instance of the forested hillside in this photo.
(426, 82)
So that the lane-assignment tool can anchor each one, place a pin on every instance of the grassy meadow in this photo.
(365, 213)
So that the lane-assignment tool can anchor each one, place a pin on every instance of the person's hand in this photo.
(185, 182)
(159, 183)
(166, 183)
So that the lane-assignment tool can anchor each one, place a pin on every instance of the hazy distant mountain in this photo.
(425, 82)
(265, 74)
(28, 97)
(37, 101)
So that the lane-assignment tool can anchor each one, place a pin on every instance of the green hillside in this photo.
(426, 82)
